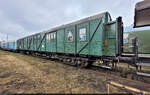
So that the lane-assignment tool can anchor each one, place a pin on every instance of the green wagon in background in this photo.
(143, 41)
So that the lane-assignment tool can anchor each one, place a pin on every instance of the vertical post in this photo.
(120, 35)
(135, 16)
(136, 49)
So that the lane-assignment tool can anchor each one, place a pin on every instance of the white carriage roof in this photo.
(101, 15)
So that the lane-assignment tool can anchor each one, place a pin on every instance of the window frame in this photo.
(85, 33)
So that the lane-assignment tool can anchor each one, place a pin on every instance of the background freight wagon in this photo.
(10, 45)
(96, 35)
(143, 41)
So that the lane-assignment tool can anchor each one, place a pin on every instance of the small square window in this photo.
(82, 34)
(52, 36)
(70, 36)
(49, 37)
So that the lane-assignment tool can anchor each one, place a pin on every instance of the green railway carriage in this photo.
(93, 36)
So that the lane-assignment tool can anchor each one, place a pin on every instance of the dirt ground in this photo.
(25, 74)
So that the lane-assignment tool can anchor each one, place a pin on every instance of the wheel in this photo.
(78, 62)
(73, 62)
(82, 64)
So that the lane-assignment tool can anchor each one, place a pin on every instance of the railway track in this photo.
(115, 76)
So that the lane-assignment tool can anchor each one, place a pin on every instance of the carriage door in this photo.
(110, 39)
(83, 38)
(113, 38)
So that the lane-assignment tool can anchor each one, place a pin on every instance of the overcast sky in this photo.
(19, 18)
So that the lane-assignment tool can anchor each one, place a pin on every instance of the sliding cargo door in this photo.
(20, 44)
(30, 43)
(25, 43)
(38, 42)
(70, 40)
(83, 39)
(60, 41)
(96, 30)
(43, 44)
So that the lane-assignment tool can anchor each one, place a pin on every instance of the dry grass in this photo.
(25, 74)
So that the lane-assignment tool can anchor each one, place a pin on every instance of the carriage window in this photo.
(82, 34)
(47, 37)
(54, 35)
(51, 36)
(70, 36)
